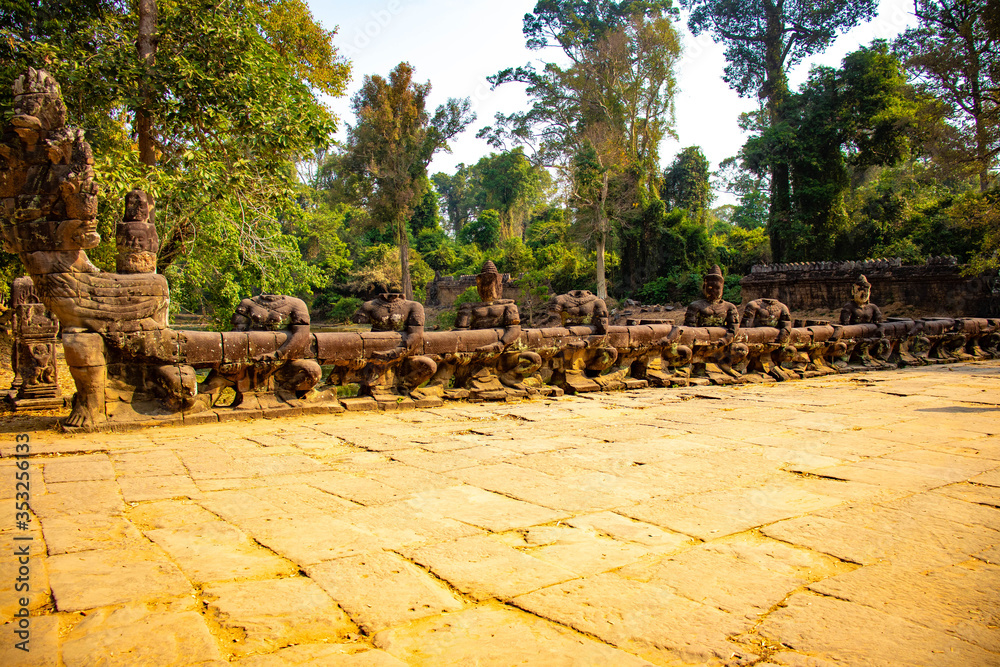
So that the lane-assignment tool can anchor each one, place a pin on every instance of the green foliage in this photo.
(739, 249)
(343, 309)
(485, 231)
(685, 184)
(515, 257)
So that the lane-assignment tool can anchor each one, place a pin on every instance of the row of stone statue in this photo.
(128, 365)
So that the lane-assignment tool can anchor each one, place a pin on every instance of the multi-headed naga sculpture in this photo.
(128, 366)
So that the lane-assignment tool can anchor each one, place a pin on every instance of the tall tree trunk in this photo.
(602, 240)
(404, 258)
(774, 91)
(146, 45)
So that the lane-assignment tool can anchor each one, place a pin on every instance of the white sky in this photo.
(456, 44)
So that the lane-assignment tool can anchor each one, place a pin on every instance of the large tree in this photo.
(604, 114)
(954, 56)
(391, 144)
(686, 184)
(764, 39)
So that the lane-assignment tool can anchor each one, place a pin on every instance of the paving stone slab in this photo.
(624, 528)
(991, 478)
(43, 643)
(744, 574)
(484, 509)
(496, 636)
(169, 514)
(161, 487)
(484, 567)
(84, 532)
(82, 468)
(151, 463)
(262, 616)
(853, 634)
(960, 600)
(102, 497)
(37, 581)
(132, 636)
(90, 579)
(217, 551)
(718, 513)
(979, 494)
(11, 485)
(336, 655)
(399, 524)
(580, 550)
(379, 589)
(643, 619)
(309, 539)
(356, 488)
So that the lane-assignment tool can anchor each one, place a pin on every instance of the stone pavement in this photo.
(848, 520)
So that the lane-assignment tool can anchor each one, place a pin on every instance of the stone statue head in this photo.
(489, 283)
(136, 235)
(392, 296)
(38, 105)
(861, 291)
(712, 284)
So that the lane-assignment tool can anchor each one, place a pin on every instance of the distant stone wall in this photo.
(443, 290)
(937, 286)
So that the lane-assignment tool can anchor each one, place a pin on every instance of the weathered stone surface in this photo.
(477, 507)
(578, 550)
(84, 532)
(101, 497)
(330, 655)
(83, 468)
(744, 575)
(216, 551)
(399, 524)
(643, 619)
(139, 489)
(991, 478)
(853, 634)
(623, 528)
(582, 493)
(363, 490)
(89, 579)
(37, 582)
(261, 616)
(719, 513)
(495, 636)
(150, 463)
(43, 643)
(169, 514)
(309, 539)
(379, 589)
(484, 567)
(960, 600)
(132, 636)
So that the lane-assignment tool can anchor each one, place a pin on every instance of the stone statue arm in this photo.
(784, 324)
(362, 315)
(846, 314)
(412, 340)
(601, 318)
(877, 317)
(749, 315)
(464, 318)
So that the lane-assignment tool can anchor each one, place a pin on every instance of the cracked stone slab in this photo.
(484, 509)
(37, 594)
(396, 525)
(152, 463)
(379, 589)
(216, 551)
(961, 600)
(90, 579)
(101, 497)
(43, 643)
(719, 513)
(745, 574)
(132, 636)
(309, 539)
(630, 530)
(163, 487)
(853, 634)
(262, 616)
(82, 468)
(328, 655)
(643, 619)
(172, 514)
(84, 532)
(579, 550)
(496, 636)
(483, 567)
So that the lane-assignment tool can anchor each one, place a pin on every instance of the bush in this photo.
(342, 310)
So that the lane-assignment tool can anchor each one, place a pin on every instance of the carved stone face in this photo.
(712, 289)
(861, 294)
(489, 286)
